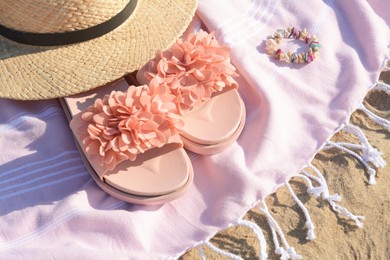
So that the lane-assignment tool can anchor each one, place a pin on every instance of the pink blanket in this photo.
(50, 207)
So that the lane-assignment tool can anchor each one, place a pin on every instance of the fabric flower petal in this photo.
(124, 124)
(193, 69)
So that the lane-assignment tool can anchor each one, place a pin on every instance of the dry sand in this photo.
(336, 237)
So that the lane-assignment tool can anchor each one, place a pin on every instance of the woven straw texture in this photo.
(33, 72)
(57, 16)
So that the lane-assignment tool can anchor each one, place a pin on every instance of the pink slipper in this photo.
(198, 72)
(130, 141)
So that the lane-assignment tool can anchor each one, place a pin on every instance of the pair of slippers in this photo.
(132, 132)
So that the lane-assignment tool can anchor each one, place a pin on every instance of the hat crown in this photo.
(51, 16)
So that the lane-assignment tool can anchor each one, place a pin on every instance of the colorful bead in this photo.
(291, 32)
(314, 45)
(281, 32)
(300, 58)
(310, 57)
(308, 37)
(271, 46)
(278, 54)
(293, 57)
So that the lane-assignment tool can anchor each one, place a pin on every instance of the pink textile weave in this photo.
(50, 207)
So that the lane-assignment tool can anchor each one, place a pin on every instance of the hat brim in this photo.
(33, 72)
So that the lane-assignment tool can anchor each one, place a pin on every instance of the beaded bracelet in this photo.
(293, 57)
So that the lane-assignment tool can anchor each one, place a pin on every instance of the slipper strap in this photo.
(124, 124)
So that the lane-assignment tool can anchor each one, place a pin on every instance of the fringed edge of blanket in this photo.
(370, 157)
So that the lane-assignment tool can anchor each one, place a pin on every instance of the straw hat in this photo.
(117, 37)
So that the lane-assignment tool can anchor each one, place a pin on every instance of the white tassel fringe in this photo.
(369, 153)
(260, 236)
(323, 191)
(380, 86)
(286, 252)
(309, 223)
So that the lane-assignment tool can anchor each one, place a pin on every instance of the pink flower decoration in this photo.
(193, 69)
(124, 124)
